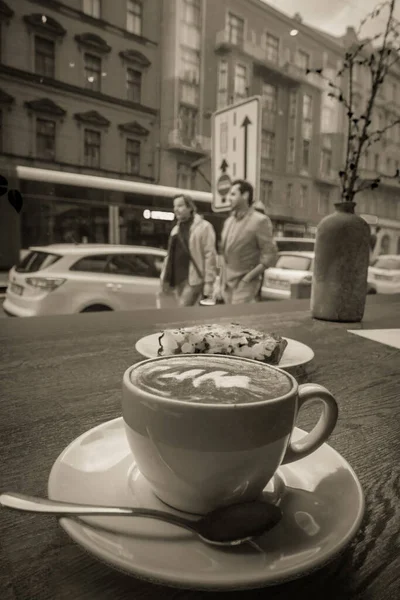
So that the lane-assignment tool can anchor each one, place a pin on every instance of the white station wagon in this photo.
(73, 278)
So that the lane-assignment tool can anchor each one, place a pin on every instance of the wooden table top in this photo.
(60, 376)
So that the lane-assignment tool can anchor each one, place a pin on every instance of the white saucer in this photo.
(320, 517)
(295, 354)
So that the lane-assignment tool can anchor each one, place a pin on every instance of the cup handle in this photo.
(322, 430)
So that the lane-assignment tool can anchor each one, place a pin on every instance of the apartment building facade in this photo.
(79, 92)
(216, 53)
(221, 52)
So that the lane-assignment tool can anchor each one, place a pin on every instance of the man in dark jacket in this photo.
(190, 268)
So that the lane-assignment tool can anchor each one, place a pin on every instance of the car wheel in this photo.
(371, 291)
(96, 308)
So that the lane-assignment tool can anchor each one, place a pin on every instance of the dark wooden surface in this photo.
(60, 376)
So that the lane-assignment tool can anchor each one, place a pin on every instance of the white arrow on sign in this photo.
(236, 147)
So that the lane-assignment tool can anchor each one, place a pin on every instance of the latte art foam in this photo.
(206, 379)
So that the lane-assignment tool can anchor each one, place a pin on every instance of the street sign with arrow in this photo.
(236, 149)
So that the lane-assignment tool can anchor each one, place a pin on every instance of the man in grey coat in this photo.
(247, 246)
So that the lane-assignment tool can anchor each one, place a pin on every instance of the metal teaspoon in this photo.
(225, 526)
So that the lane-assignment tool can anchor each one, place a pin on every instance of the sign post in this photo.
(236, 149)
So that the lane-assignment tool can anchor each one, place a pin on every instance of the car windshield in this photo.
(389, 264)
(293, 245)
(297, 263)
(36, 261)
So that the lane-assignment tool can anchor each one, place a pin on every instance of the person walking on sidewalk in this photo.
(247, 246)
(190, 267)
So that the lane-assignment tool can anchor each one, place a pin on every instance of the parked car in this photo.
(74, 278)
(291, 267)
(384, 274)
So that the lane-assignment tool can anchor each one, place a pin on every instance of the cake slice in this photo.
(232, 340)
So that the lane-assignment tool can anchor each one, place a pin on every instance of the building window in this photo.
(302, 60)
(134, 16)
(305, 162)
(327, 118)
(376, 163)
(45, 57)
(303, 196)
(187, 124)
(92, 72)
(323, 202)
(289, 194)
(307, 107)
(222, 93)
(240, 82)
(133, 85)
(92, 144)
(92, 8)
(235, 30)
(132, 157)
(191, 24)
(267, 150)
(185, 177)
(271, 47)
(291, 152)
(190, 66)
(293, 104)
(326, 158)
(267, 190)
(189, 76)
(45, 139)
(270, 97)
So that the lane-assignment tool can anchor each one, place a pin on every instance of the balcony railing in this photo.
(198, 144)
(223, 40)
(331, 176)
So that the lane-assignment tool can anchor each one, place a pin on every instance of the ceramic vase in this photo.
(341, 262)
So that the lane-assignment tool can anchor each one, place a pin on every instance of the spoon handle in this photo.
(56, 507)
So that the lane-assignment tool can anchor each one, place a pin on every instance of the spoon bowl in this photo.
(225, 526)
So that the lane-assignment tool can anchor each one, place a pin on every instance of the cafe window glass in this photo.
(92, 146)
(93, 264)
(92, 8)
(92, 72)
(134, 85)
(45, 139)
(134, 16)
(132, 156)
(44, 57)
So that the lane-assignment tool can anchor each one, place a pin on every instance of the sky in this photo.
(333, 16)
